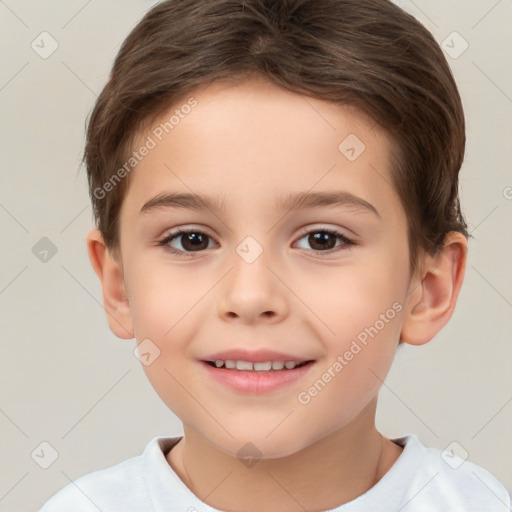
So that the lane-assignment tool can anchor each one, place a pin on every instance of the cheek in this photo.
(361, 316)
(159, 298)
(345, 301)
(162, 306)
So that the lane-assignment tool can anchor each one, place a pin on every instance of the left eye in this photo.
(324, 240)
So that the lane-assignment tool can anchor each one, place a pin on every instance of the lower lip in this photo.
(256, 382)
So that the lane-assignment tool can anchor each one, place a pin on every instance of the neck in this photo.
(332, 471)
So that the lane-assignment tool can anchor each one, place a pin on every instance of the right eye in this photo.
(186, 241)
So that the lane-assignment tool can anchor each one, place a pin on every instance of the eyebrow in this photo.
(292, 202)
(319, 199)
(183, 200)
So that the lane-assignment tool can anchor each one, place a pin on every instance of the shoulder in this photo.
(446, 482)
(100, 490)
(119, 487)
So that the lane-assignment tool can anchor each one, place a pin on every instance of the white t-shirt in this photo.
(419, 481)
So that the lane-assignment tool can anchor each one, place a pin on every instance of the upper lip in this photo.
(256, 356)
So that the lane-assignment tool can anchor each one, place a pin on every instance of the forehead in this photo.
(252, 138)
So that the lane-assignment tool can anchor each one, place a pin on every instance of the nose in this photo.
(253, 293)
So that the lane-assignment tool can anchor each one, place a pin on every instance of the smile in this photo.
(265, 366)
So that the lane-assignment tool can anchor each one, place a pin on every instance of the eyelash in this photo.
(171, 236)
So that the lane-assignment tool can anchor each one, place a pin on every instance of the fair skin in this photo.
(252, 145)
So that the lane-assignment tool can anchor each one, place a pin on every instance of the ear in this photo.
(433, 293)
(110, 273)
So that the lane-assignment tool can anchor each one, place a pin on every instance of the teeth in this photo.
(243, 365)
(262, 366)
(258, 367)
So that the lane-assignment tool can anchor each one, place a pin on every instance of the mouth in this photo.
(259, 378)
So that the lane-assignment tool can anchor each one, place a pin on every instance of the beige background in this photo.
(67, 381)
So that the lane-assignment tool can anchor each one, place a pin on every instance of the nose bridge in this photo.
(250, 273)
(252, 291)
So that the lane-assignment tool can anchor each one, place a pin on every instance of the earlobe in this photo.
(109, 272)
(433, 296)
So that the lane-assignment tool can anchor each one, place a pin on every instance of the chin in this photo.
(260, 445)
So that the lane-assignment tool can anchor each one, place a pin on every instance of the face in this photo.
(300, 255)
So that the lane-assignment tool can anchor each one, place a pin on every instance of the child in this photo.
(275, 184)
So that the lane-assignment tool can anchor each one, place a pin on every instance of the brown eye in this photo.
(194, 241)
(187, 242)
(324, 241)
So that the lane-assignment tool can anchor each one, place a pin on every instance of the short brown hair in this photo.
(366, 53)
